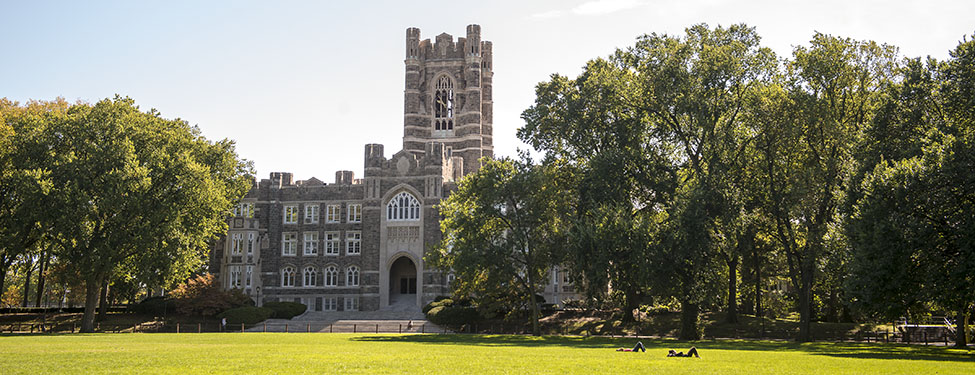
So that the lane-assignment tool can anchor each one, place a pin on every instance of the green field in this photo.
(451, 354)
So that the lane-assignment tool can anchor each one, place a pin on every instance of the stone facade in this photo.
(383, 222)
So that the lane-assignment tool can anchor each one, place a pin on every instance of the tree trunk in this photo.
(45, 258)
(30, 269)
(689, 316)
(805, 301)
(92, 286)
(747, 278)
(759, 311)
(3, 273)
(961, 329)
(833, 310)
(732, 311)
(103, 302)
(630, 305)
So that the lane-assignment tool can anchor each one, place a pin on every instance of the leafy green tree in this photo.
(504, 229)
(25, 180)
(134, 186)
(913, 225)
(809, 131)
(203, 295)
(591, 126)
(694, 91)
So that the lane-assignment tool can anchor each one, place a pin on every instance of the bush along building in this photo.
(358, 244)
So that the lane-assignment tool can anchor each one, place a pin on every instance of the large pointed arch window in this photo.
(443, 103)
(403, 207)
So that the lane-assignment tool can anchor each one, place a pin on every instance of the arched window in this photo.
(443, 105)
(331, 276)
(288, 276)
(310, 276)
(352, 276)
(403, 207)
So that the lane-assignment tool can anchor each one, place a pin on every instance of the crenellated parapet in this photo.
(447, 97)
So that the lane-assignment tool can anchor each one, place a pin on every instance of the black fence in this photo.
(922, 337)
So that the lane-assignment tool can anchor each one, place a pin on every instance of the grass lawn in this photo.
(451, 354)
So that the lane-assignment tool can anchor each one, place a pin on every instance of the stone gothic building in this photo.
(358, 244)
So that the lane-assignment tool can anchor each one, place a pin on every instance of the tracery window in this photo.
(237, 243)
(250, 275)
(234, 276)
(352, 276)
(403, 207)
(288, 276)
(443, 103)
(310, 275)
(331, 276)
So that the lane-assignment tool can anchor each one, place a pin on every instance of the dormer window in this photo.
(443, 112)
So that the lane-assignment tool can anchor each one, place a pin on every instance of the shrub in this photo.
(285, 310)
(246, 315)
(436, 303)
(154, 306)
(202, 295)
(453, 316)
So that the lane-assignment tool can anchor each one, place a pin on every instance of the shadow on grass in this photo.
(841, 350)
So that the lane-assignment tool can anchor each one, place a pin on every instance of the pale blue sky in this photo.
(303, 85)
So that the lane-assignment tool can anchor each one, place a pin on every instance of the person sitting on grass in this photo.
(639, 346)
(690, 353)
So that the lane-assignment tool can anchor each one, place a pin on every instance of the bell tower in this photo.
(448, 96)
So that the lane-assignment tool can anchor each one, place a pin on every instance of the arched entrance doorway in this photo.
(402, 282)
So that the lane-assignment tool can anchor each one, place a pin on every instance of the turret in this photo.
(412, 43)
(473, 47)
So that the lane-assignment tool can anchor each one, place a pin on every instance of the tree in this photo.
(203, 295)
(504, 229)
(913, 226)
(694, 91)
(810, 130)
(591, 126)
(25, 182)
(132, 185)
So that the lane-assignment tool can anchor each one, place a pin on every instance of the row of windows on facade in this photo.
(403, 207)
(330, 303)
(309, 276)
(332, 214)
(331, 243)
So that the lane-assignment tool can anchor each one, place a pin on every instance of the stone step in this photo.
(348, 326)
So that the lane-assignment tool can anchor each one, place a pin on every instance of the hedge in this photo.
(285, 310)
(453, 316)
(246, 315)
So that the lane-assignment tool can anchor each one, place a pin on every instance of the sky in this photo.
(302, 86)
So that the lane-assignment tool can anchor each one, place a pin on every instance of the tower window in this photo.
(443, 118)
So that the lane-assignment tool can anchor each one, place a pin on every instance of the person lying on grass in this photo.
(690, 353)
(638, 347)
